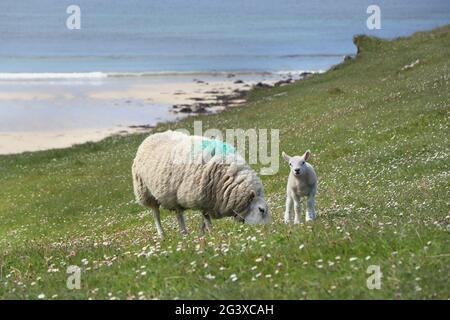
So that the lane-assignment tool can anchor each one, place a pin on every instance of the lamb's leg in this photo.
(206, 223)
(297, 210)
(157, 217)
(311, 212)
(180, 218)
(288, 211)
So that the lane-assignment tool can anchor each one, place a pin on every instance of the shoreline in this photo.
(22, 141)
(202, 95)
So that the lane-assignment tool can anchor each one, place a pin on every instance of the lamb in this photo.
(302, 182)
(179, 172)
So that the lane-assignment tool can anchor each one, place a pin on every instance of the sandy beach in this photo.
(40, 116)
(17, 142)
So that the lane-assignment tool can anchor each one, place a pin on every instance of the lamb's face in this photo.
(258, 212)
(297, 164)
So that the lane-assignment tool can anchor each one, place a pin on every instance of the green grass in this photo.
(379, 137)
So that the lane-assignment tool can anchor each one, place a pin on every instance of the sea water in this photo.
(119, 41)
(166, 36)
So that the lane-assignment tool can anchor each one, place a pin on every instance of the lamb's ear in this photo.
(285, 156)
(306, 155)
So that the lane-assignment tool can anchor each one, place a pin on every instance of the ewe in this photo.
(179, 172)
(302, 182)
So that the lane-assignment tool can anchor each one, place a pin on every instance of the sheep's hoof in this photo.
(204, 230)
(205, 227)
(208, 229)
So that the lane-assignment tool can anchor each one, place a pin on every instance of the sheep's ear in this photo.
(249, 197)
(306, 155)
(285, 156)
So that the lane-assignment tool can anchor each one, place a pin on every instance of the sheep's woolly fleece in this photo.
(179, 172)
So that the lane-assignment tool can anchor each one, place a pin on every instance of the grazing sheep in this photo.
(302, 182)
(181, 172)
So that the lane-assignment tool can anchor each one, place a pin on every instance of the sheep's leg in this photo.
(311, 212)
(297, 210)
(157, 217)
(180, 218)
(288, 211)
(206, 223)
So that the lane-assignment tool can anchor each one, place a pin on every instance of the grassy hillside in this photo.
(379, 136)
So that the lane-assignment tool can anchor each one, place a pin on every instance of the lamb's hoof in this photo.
(287, 221)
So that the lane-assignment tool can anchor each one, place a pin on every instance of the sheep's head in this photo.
(256, 212)
(297, 164)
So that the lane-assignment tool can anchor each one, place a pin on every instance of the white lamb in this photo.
(302, 182)
(181, 172)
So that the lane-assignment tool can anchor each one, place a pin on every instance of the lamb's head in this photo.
(256, 212)
(297, 164)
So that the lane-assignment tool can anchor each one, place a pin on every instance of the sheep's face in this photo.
(297, 164)
(257, 212)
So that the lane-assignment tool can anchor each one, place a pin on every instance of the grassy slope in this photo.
(379, 138)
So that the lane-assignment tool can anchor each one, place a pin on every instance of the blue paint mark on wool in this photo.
(217, 147)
